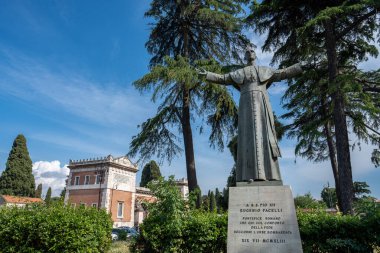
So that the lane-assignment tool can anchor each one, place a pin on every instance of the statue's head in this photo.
(250, 55)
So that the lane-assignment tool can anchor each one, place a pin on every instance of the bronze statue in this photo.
(258, 150)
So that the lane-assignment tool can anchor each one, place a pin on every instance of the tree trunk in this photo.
(334, 163)
(186, 125)
(188, 141)
(341, 132)
(331, 145)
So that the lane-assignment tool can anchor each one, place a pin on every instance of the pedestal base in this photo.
(262, 219)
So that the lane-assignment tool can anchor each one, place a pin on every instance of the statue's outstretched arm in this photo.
(215, 78)
(286, 73)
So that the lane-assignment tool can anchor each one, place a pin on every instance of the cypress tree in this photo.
(218, 197)
(63, 193)
(212, 202)
(17, 178)
(151, 171)
(39, 191)
(48, 197)
(199, 197)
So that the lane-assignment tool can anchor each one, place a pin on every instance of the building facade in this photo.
(110, 183)
(105, 182)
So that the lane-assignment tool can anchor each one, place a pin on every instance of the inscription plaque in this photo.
(262, 219)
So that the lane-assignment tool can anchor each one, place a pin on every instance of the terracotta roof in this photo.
(149, 199)
(21, 200)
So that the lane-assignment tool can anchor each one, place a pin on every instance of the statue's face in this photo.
(250, 55)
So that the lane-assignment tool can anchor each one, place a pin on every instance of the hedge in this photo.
(174, 226)
(56, 228)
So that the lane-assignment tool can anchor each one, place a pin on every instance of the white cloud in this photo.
(50, 174)
(69, 90)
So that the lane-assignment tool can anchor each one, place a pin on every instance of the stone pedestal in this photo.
(262, 219)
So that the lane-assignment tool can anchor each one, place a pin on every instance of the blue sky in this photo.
(66, 73)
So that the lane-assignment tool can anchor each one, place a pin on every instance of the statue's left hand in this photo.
(201, 71)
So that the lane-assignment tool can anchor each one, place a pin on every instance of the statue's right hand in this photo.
(201, 71)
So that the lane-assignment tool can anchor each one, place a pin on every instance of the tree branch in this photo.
(355, 23)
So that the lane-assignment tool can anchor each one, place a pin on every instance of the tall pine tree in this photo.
(39, 191)
(336, 36)
(151, 171)
(17, 178)
(48, 197)
(185, 31)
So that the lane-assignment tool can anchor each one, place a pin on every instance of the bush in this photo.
(172, 226)
(322, 232)
(56, 228)
(205, 232)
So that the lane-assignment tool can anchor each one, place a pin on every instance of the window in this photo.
(77, 180)
(72, 204)
(87, 179)
(120, 207)
(94, 205)
(83, 204)
(98, 179)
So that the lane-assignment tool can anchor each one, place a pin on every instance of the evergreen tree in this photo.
(206, 203)
(48, 197)
(307, 201)
(360, 189)
(151, 171)
(185, 31)
(63, 193)
(212, 202)
(199, 197)
(334, 94)
(17, 178)
(328, 196)
(39, 191)
(218, 200)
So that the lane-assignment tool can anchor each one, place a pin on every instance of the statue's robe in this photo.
(258, 150)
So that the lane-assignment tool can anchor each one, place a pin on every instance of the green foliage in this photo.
(197, 29)
(205, 232)
(38, 191)
(329, 197)
(63, 193)
(184, 32)
(361, 188)
(322, 232)
(334, 37)
(56, 228)
(307, 201)
(173, 226)
(151, 171)
(17, 178)
(48, 197)
(212, 202)
(158, 136)
(161, 230)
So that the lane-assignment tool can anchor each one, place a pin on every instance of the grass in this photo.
(119, 247)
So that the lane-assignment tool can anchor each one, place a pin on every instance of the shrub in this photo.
(172, 226)
(322, 232)
(56, 228)
(205, 232)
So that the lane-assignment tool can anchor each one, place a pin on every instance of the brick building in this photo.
(110, 183)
